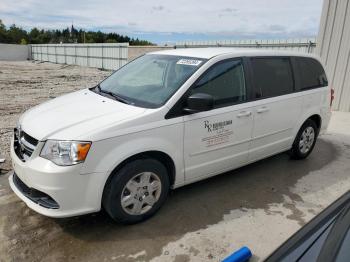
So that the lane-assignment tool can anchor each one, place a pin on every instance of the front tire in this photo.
(305, 140)
(136, 191)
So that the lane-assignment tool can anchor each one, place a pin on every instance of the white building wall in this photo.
(333, 45)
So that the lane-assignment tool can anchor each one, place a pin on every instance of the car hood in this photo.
(73, 115)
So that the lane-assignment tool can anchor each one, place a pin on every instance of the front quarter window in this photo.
(151, 80)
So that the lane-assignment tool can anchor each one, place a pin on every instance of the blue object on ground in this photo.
(241, 255)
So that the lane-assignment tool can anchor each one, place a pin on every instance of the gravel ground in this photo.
(26, 84)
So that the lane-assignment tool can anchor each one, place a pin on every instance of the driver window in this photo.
(225, 82)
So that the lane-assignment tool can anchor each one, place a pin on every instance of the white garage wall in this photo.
(333, 45)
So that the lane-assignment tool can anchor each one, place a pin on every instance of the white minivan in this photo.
(162, 121)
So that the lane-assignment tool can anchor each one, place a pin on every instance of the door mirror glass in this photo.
(199, 102)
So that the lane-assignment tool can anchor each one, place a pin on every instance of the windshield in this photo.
(149, 81)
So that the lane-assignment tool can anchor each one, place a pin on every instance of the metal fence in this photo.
(114, 55)
(106, 56)
(301, 45)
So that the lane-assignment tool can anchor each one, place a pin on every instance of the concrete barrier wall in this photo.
(9, 52)
(107, 56)
(136, 51)
(101, 55)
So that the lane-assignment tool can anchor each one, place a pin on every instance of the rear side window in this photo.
(272, 76)
(311, 73)
(225, 82)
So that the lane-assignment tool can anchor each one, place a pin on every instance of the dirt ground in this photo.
(259, 205)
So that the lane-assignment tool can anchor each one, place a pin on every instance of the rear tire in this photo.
(305, 140)
(136, 191)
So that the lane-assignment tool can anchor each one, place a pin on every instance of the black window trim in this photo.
(177, 109)
(254, 87)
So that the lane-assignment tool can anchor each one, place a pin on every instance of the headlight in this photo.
(65, 153)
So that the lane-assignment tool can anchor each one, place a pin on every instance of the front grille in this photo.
(29, 139)
(36, 196)
(24, 144)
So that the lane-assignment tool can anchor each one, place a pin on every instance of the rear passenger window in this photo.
(225, 82)
(272, 76)
(311, 73)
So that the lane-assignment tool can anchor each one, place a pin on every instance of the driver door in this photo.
(218, 140)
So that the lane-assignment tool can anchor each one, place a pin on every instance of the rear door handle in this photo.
(262, 110)
(244, 114)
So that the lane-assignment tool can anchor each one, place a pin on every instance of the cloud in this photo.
(277, 28)
(229, 10)
(158, 8)
(233, 18)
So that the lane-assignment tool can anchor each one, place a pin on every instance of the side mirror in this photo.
(199, 102)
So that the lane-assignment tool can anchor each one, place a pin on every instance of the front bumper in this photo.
(72, 192)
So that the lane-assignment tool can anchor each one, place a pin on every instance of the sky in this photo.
(162, 21)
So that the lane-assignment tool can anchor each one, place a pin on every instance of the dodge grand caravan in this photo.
(162, 121)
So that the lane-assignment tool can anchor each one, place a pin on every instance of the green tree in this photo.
(111, 41)
(17, 35)
(23, 41)
(3, 33)
(34, 36)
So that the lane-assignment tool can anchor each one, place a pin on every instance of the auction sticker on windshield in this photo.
(191, 62)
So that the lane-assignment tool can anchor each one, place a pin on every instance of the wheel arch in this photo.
(314, 116)
(295, 152)
(154, 154)
(317, 119)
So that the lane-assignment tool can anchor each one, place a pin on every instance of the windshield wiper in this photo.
(115, 96)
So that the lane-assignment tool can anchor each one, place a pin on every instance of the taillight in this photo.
(332, 96)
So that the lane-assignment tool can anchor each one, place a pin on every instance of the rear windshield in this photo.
(149, 81)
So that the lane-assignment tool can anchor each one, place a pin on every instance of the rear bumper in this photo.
(53, 190)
